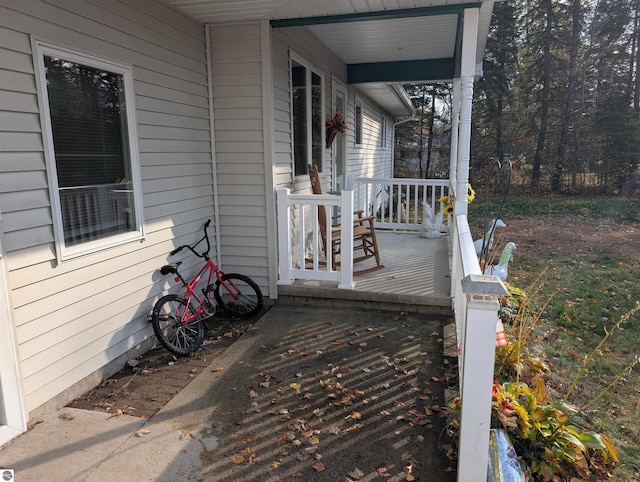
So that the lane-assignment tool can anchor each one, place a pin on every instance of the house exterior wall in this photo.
(240, 154)
(369, 159)
(75, 318)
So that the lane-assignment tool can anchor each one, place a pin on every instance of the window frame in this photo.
(383, 131)
(358, 123)
(64, 252)
(310, 70)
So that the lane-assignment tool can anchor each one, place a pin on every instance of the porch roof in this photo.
(384, 43)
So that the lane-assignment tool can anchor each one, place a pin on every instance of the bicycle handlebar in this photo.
(204, 254)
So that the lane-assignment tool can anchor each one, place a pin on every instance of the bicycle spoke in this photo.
(180, 339)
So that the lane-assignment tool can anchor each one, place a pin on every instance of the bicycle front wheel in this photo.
(238, 295)
(177, 337)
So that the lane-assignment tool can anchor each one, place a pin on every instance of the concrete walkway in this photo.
(308, 393)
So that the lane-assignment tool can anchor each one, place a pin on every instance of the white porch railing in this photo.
(474, 299)
(397, 202)
(301, 247)
(475, 302)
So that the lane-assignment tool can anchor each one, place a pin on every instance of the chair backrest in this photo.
(316, 188)
(314, 176)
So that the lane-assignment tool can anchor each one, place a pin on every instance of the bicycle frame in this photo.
(190, 287)
(191, 294)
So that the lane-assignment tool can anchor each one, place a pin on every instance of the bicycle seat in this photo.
(170, 268)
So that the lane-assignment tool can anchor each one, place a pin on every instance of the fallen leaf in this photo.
(314, 440)
(238, 459)
(302, 456)
(253, 394)
(356, 474)
(319, 467)
(142, 433)
(251, 438)
(186, 433)
(66, 416)
(295, 386)
(133, 362)
(217, 369)
(117, 413)
(275, 464)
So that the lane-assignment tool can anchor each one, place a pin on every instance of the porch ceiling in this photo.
(383, 42)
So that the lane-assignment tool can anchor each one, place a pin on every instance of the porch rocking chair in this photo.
(364, 232)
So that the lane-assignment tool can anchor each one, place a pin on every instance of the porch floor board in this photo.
(415, 278)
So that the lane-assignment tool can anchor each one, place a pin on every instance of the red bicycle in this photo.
(178, 321)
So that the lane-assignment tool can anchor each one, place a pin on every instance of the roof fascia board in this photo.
(378, 15)
(401, 71)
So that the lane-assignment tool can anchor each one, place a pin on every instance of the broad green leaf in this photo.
(592, 440)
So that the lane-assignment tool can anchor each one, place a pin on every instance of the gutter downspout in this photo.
(393, 140)
(268, 133)
(214, 169)
(402, 95)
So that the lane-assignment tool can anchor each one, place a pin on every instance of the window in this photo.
(358, 122)
(92, 151)
(308, 117)
(383, 131)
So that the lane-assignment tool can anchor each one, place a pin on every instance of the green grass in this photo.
(588, 293)
(612, 210)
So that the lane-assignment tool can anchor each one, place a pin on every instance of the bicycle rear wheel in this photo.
(180, 339)
(238, 295)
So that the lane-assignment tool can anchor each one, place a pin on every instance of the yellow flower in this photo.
(471, 194)
(448, 210)
(445, 199)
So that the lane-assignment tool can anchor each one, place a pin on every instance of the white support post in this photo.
(285, 252)
(479, 344)
(346, 241)
(455, 126)
(467, 72)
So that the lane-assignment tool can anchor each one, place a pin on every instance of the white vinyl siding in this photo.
(239, 149)
(72, 319)
(369, 159)
(305, 46)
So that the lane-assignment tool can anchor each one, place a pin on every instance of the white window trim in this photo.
(383, 131)
(64, 252)
(310, 68)
(358, 102)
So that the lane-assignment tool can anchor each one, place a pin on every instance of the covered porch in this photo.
(416, 278)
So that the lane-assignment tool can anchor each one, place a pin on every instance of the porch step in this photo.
(305, 295)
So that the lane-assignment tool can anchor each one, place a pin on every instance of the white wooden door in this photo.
(13, 414)
(339, 147)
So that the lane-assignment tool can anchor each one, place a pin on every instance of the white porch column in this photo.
(478, 346)
(467, 73)
(285, 252)
(346, 243)
(455, 126)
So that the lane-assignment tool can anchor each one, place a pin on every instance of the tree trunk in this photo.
(431, 122)
(421, 132)
(544, 102)
(556, 180)
(634, 65)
